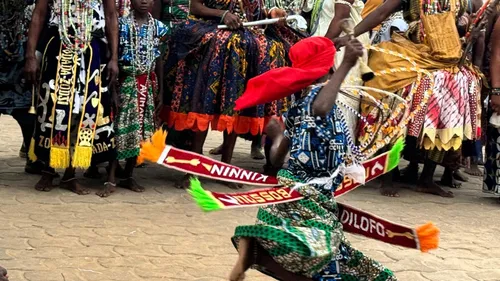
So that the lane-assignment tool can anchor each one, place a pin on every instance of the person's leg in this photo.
(217, 150)
(249, 254)
(473, 168)
(256, 148)
(227, 154)
(426, 182)
(197, 147)
(70, 182)
(129, 182)
(92, 172)
(110, 184)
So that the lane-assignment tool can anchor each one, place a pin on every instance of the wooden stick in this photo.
(263, 22)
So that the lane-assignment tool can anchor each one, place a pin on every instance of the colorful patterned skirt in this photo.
(207, 70)
(305, 237)
(451, 115)
(135, 120)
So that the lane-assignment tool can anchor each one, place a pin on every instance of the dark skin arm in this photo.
(281, 144)
(112, 36)
(377, 17)
(342, 11)
(31, 67)
(495, 65)
(327, 97)
(200, 10)
(156, 12)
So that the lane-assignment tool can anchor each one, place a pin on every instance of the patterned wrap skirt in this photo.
(208, 68)
(135, 119)
(306, 238)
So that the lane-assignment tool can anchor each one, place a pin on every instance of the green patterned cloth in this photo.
(130, 131)
(306, 238)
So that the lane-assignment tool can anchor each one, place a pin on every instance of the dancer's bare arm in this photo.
(342, 11)
(378, 16)
(31, 67)
(327, 97)
(275, 131)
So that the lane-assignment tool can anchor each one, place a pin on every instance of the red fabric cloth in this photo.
(312, 58)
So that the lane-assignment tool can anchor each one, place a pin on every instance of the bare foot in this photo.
(458, 175)
(3, 274)
(92, 173)
(231, 185)
(389, 190)
(432, 188)
(107, 190)
(45, 182)
(216, 151)
(256, 153)
(73, 185)
(131, 184)
(184, 183)
(245, 259)
(474, 170)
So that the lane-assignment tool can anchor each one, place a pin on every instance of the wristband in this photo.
(495, 91)
(223, 16)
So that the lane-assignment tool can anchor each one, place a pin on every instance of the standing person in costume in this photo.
(140, 65)
(450, 115)
(326, 20)
(303, 240)
(73, 126)
(210, 68)
(172, 13)
(491, 183)
(15, 93)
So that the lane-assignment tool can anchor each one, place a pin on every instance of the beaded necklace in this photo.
(77, 15)
(142, 60)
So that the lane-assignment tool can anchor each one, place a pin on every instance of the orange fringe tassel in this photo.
(428, 237)
(152, 149)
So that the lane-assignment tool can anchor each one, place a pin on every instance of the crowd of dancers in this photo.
(89, 81)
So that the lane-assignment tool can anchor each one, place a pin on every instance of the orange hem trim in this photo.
(201, 122)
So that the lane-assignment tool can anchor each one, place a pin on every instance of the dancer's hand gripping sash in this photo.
(353, 220)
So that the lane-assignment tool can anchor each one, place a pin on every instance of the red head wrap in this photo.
(312, 58)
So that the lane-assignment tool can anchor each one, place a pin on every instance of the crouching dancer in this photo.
(304, 240)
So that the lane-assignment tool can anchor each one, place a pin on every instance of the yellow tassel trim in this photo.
(31, 151)
(428, 237)
(59, 157)
(82, 157)
(152, 149)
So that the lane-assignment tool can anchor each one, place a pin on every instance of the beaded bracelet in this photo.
(495, 91)
(223, 16)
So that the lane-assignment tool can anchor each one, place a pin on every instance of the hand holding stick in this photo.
(347, 25)
(264, 22)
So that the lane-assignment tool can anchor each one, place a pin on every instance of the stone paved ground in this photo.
(162, 235)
